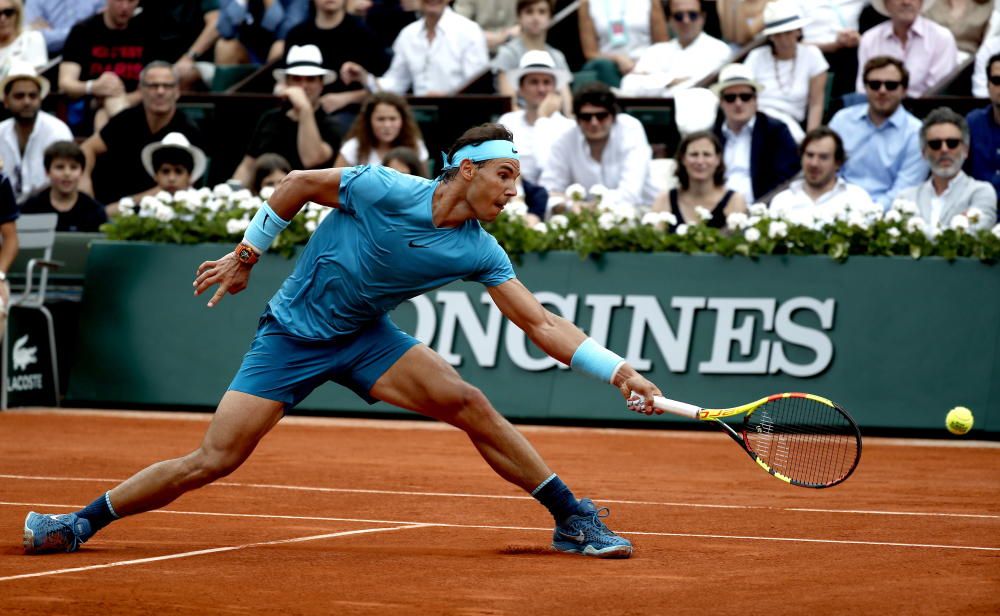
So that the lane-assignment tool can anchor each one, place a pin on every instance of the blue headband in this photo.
(487, 150)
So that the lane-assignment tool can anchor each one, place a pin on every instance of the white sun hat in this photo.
(19, 69)
(539, 61)
(304, 61)
(782, 16)
(175, 140)
(735, 75)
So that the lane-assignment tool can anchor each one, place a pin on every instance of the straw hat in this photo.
(304, 61)
(734, 75)
(539, 61)
(879, 5)
(782, 16)
(19, 69)
(179, 141)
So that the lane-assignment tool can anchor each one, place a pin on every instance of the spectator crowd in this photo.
(802, 104)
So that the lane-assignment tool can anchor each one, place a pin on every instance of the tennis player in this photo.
(392, 237)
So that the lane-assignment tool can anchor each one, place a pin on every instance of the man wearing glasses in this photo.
(881, 137)
(605, 147)
(664, 68)
(984, 153)
(758, 150)
(944, 139)
(116, 149)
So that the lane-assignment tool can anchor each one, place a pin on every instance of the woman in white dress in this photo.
(793, 75)
(16, 42)
(385, 122)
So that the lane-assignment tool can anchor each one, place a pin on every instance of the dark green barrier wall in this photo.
(898, 342)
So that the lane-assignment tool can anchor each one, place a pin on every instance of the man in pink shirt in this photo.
(927, 49)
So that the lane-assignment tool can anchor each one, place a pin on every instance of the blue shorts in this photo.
(286, 368)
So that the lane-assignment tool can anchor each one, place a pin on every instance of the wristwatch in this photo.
(3, 276)
(246, 254)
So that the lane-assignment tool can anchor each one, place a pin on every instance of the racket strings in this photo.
(805, 440)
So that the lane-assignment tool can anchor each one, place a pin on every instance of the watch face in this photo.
(245, 255)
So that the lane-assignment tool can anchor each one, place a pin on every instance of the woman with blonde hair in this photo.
(385, 122)
(17, 43)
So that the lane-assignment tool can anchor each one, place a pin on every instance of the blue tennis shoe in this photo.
(585, 533)
(54, 533)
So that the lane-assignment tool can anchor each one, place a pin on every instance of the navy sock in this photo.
(99, 513)
(557, 498)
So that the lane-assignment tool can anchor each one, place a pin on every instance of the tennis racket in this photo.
(802, 439)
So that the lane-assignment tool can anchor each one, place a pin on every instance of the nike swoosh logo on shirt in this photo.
(579, 537)
(416, 245)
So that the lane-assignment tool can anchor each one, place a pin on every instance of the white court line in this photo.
(274, 486)
(232, 548)
(425, 424)
(410, 524)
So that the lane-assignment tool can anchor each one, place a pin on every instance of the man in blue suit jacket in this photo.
(758, 150)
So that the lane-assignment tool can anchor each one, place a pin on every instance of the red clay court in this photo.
(343, 516)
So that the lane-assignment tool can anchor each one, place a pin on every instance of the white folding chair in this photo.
(34, 232)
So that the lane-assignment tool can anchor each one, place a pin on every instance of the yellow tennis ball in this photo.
(959, 420)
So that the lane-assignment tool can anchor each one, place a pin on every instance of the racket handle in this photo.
(677, 408)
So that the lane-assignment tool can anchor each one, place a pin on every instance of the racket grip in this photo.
(677, 408)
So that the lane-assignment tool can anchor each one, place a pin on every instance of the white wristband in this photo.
(89, 86)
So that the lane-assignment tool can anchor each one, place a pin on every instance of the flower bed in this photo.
(594, 224)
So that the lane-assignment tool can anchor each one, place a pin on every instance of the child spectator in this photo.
(405, 160)
(77, 211)
(173, 163)
(268, 171)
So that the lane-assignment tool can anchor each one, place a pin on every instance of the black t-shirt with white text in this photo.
(99, 49)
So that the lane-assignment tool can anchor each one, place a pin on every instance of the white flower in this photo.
(932, 231)
(597, 190)
(657, 219)
(311, 225)
(959, 223)
(559, 221)
(235, 226)
(164, 213)
(571, 234)
(164, 197)
(776, 229)
(266, 192)
(802, 217)
(974, 215)
(148, 206)
(758, 209)
(241, 195)
(576, 192)
(682, 229)
(892, 216)
(736, 220)
(857, 219)
(607, 221)
(222, 191)
(996, 231)
(904, 206)
(670, 218)
(752, 234)
(126, 206)
(915, 225)
(214, 205)
(516, 208)
(893, 233)
(540, 227)
(752, 221)
(703, 213)
(250, 203)
(624, 212)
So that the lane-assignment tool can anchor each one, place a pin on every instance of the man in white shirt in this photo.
(606, 147)
(664, 68)
(539, 124)
(25, 135)
(833, 27)
(433, 56)
(944, 141)
(820, 188)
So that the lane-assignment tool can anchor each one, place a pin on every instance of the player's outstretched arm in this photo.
(564, 341)
(232, 272)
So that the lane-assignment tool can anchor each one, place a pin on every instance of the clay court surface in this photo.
(340, 516)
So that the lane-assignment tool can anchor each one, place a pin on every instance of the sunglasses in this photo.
(935, 144)
(8, 13)
(587, 117)
(995, 80)
(876, 85)
(681, 15)
(746, 97)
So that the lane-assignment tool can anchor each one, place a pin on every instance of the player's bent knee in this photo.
(211, 466)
